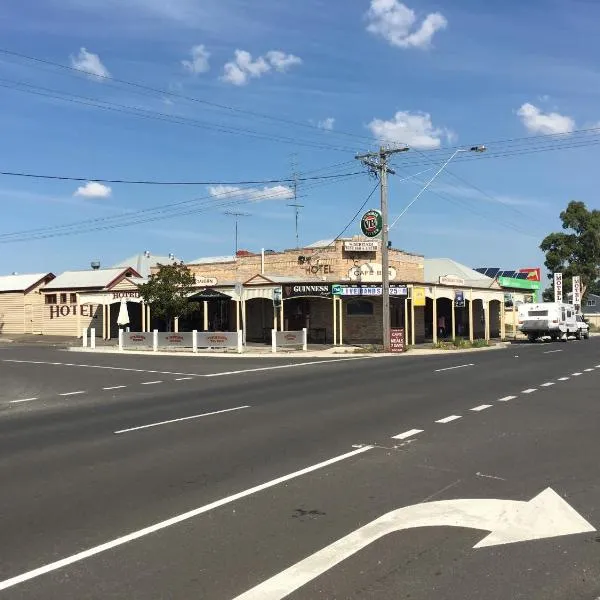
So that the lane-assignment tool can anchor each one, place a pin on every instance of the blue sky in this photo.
(337, 74)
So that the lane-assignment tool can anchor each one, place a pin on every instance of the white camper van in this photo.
(552, 319)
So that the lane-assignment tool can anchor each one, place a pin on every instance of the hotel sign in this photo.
(361, 246)
(205, 281)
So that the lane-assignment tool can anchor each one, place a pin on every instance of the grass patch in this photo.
(461, 344)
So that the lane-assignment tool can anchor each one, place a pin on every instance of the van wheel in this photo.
(579, 335)
(532, 338)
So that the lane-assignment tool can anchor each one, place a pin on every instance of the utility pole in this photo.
(236, 216)
(377, 162)
(295, 204)
(297, 208)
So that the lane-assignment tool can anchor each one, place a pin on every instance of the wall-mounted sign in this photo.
(459, 299)
(521, 284)
(419, 296)
(361, 246)
(205, 281)
(577, 292)
(369, 272)
(121, 295)
(451, 280)
(533, 274)
(367, 290)
(320, 269)
(558, 287)
(66, 310)
(318, 290)
(371, 223)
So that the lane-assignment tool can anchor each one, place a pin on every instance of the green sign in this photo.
(521, 284)
(371, 223)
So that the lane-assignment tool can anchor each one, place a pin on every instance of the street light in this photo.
(481, 148)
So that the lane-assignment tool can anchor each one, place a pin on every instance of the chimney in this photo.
(95, 264)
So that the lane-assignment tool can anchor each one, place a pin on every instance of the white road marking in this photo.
(183, 378)
(529, 391)
(588, 370)
(448, 419)
(59, 564)
(209, 414)
(577, 374)
(549, 384)
(292, 366)
(72, 393)
(489, 476)
(115, 387)
(507, 398)
(481, 407)
(452, 368)
(150, 382)
(552, 351)
(564, 378)
(547, 515)
(22, 400)
(407, 434)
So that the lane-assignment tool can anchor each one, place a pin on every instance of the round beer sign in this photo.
(371, 223)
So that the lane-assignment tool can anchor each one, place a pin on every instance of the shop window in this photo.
(50, 298)
(359, 308)
(63, 298)
(73, 299)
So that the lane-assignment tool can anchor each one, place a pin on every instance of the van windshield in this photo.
(538, 313)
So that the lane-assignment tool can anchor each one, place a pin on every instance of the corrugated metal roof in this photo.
(20, 283)
(207, 260)
(143, 262)
(84, 279)
(434, 268)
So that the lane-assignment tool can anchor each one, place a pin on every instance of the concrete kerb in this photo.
(330, 352)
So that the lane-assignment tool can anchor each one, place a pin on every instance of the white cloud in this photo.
(199, 61)
(275, 192)
(243, 67)
(413, 129)
(93, 189)
(89, 63)
(326, 124)
(396, 23)
(537, 121)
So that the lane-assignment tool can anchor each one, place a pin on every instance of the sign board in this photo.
(277, 293)
(533, 274)
(577, 291)
(367, 290)
(361, 246)
(558, 287)
(459, 299)
(521, 284)
(301, 290)
(451, 280)
(137, 339)
(125, 295)
(217, 339)
(397, 340)
(289, 338)
(371, 223)
(369, 272)
(205, 281)
(419, 296)
(174, 340)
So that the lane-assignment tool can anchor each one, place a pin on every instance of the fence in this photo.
(160, 340)
(288, 339)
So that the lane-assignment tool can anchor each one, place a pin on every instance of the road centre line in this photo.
(291, 366)
(115, 387)
(552, 351)
(209, 414)
(577, 374)
(72, 393)
(481, 407)
(549, 384)
(449, 419)
(588, 370)
(183, 378)
(564, 378)
(407, 434)
(150, 382)
(22, 400)
(507, 398)
(452, 368)
(529, 391)
(59, 564)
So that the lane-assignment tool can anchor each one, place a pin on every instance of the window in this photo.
(591, 303)
(359, 308)
(73, 299)
(50, 298)
(63, 298)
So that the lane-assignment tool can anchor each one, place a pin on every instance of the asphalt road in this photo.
(155, 477)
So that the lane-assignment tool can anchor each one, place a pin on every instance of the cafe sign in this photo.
(369, 272)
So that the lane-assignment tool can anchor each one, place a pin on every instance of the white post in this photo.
(120, 339)
(240, 341)
(305, 339)
(93, 338)
(244, 323)
(335, 320)
(155, 340)
(262, 261)
(84, 337)
(194, 341)
(273, 340)
(205, 315)
(341, 313)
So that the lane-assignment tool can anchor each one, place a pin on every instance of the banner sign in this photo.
(459, 299)
(289, 338)
(419, 298)
(577, 292)
(558, 287)
(300, 290)
(174, 340)
(367, 290)
(397, 340)
(217, 339)
(137, 339)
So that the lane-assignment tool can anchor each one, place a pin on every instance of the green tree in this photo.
(576, 252)
(167, 292)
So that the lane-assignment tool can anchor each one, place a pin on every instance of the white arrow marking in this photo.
(546, 515)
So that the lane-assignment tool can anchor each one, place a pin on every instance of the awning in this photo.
(208, 294)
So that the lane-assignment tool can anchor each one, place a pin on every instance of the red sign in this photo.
(532, 274)
(397, 340)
